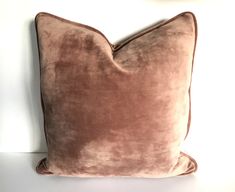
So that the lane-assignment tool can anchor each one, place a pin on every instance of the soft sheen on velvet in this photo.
(116, 110)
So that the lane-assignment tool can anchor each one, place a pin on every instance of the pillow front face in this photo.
(116, 110)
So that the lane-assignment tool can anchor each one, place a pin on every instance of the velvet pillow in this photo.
(116, 110)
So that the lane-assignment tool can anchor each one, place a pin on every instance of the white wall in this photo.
(211, 138)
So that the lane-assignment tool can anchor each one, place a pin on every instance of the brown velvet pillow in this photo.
(116, 110)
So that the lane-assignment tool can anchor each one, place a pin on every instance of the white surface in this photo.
(18, 174)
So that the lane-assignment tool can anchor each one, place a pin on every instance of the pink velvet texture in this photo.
(116, 110)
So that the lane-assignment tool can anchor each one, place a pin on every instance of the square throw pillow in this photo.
(116, 110)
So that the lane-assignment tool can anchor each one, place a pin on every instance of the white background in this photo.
(211, 139)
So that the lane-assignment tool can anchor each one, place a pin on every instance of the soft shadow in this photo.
(34, 95)
(124, 184)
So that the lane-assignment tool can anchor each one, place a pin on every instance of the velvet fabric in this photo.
(116, 110)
